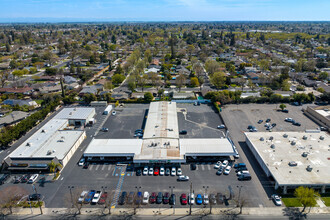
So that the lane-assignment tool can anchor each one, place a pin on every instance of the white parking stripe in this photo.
(106, 175)
(196, 167)
(109, 167)
(97, 167)
(203, 168)
(208, 167)
(103, 167)
(91, 167)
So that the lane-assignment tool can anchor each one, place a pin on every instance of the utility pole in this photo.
(239, 195)
(190, 199)
(35, 190)
(70, 188)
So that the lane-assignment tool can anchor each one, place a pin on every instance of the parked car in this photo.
(172, 199)
(239, 165)
(183, 178)
(241, 169)
(151, 171)
(205, 199)
(96, 197)
(179, 172)
(183, 199)
(219, 171)
(199, 199)
(138, 135)
(166, 198)
(145, 171)
(145, 197)
(323, 129)
(122, 198)
(221, 126)
(81, 162)
(167, 172)
(213, 199)
(191, 198)
(288, 119)
(138, 131)
(34, 197)
(105, 129)
(89, 196)
(152, 198)
(268, 120)
(138, 172)
(250, 127)
(276, 199)
(225, 163)
(296, 123)
(139, 198)
(217, 165)
(227, 170)
(103, 198)
(193, 166)
(274, 124)
(86, 165)
(130, 198)
(159, 198)
(285, 110)
(260, 121)
(114, 113)
(162, 171)
(33, 178)
(18, 179)
(82, 196)
(242, 172)
(173, 171)
(219, 198)
(183, 132)
(25, 178)
(244, 177)
(156, 171)
(253, 129)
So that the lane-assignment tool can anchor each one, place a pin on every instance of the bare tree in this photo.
(3, 78)
(180, 81)
(10, 197)
(109, 200)
(71, 199)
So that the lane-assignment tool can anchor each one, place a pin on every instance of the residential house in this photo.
(50, 87)
(119, 96)
(70, 79)
(23, 90)
(13, 102)
(94, 89)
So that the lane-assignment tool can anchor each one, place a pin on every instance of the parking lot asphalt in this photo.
(238, 117)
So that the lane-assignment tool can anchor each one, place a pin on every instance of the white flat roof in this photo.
(162, 121)
(204, 147)
(48, 142)
(113, 147)
(323, 112)
(277, 159)
(75, 113)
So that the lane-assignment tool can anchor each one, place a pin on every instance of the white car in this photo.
(151, 171)
(173, 171)
(33, 178)
(277, 200)
(162, 171)
(225, 163)
(205, 199)
(221, 126)
(288, 119)
(145, 198)
(82, 196)
(179, 172)
(183, 178)
(217, 165)
(114, 113)
(145, 171)
(227, 170)
(96, 197)
(191, 198)
(242, 172)
(81, 162)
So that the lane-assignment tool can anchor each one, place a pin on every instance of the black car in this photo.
(34, 197)
(241, 169)
(274, 124)
(172, 199)
(268, 120)
(220, 170)
(260, 121)
(3, 178)
(285, 111)
(250, 127)
(219, 198)
(183, 132)
(296, 123)
(193, 166)
(86, 165)
(159, 198)
(138, 172)
(122, 198)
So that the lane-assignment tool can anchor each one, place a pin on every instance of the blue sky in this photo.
(163, 10)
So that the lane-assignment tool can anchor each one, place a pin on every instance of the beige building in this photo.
(320, 114)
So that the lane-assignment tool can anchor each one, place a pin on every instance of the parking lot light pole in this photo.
(70, 188)
(205, 187)
(189, 199)
(35, 189)
(137, 188)
(172, 187)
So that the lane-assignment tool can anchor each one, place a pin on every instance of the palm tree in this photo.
(53, 166)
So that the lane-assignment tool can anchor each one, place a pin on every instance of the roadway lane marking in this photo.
(109, 167)
(97, 167)
(103, 167)
(62, 178)
(91, 167)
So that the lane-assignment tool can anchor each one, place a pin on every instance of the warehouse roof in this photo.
(305, 150)
(75, 113)
(203, 147)
(48, 142)
(113, 147)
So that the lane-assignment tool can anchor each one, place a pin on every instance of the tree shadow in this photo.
(294, 213)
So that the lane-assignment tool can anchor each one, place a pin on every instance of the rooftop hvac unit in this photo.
(292, 163)
(272, 146)
(28, 144)
(293, 143)
(261, 139)
(304, 154)
(309, 168)
(43, 131)
(49, 152)
(321, 137)
(285, 135)
(305, 137)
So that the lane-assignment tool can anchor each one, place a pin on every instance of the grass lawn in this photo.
(38, 101)
(291, 202)
(326, 200)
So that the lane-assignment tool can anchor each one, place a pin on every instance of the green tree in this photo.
(306, 196)
(148, 97)
(282, 106)
(194, 81)
(117, 79)
(218, 79)
(131, 84)
(323, 76)
(54, 166)
(212, 66)
(180, 81)
(285, 85)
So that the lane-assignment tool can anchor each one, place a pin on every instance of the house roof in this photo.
(16, 90)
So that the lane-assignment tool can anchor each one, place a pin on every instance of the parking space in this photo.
(125, 122)
(199, 121)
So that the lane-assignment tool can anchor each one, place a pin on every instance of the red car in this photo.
(156, 171)
(183, 199)
(152, 198)
(103, 198)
